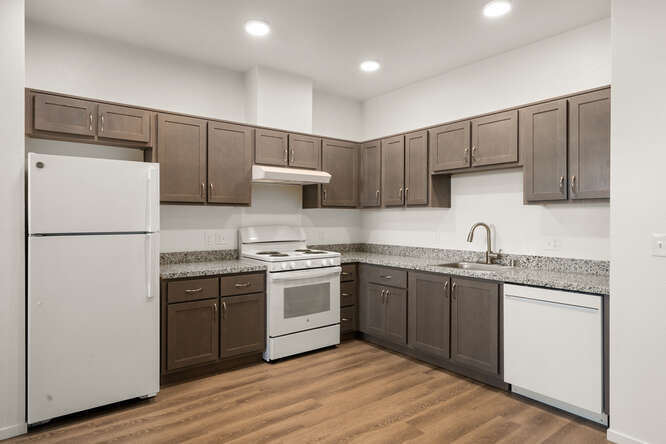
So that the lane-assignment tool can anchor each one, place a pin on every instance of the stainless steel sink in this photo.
(476, 266)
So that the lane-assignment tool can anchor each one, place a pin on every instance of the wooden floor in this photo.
(355, 393)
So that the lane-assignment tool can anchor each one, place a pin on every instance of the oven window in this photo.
(307, 300)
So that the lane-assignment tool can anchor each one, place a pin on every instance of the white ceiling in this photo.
(325, 39)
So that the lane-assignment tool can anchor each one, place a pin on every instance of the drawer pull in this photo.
(345, 320)
(345, 273)
(386, 276)
(345, 294)
(194, 290)
(242, 284)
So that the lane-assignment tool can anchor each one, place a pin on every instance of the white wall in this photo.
(638, 282)
(12, 235)
(336, 116)
(63, 61)
(570, 62)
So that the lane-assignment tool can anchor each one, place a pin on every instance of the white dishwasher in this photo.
(553, 346)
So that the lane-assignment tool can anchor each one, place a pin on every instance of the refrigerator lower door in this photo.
(93, 321)
(83, 195)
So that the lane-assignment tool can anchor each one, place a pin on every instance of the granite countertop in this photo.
(195, 269)
(580, 282)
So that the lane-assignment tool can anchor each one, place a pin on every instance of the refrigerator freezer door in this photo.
(82, 195)
(93, 321)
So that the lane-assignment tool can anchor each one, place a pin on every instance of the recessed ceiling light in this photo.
(257, 28)
(496, 8)
(370, 66)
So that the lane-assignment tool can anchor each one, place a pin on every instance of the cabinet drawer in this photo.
(192, 290)
(348, 273)
(241, 284)
(348, 319)
(386, 276)
(348, 294)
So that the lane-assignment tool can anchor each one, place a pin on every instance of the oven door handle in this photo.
(304, 274)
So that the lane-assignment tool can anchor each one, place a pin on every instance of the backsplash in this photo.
(545, 263)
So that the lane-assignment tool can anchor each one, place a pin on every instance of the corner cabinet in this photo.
(341, 161)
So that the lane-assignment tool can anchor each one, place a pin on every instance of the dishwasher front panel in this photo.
(553, 347)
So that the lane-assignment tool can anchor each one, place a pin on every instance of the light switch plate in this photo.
(659, 244)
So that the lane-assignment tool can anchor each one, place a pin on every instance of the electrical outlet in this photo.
(219, 239)
(209, 239)
(658, 244)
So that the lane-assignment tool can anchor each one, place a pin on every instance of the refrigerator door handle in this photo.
(149, 266)
(152, 199)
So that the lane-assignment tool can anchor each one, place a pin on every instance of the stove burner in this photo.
(269, 252)
(278, 255)
(316, 252)
(303, 250)
(308, 251)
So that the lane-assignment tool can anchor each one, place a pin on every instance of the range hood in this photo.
(271, 174)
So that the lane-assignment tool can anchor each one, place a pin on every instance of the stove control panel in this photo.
(303, 264)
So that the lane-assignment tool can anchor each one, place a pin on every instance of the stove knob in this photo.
(284, 266)
(292, 265)
(324, 262)
(308, 263)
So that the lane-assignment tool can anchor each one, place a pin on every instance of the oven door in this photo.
(303, 300)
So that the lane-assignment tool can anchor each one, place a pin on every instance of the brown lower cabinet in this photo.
(204, 331)
(429, 313)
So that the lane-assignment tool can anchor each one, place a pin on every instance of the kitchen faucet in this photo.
(490, 256)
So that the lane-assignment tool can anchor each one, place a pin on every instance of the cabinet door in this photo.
(396, 315)
(589, 145)
(123, 123)
(495, 139)
(475, 324)
(192, 333)
(181, 152)
(543, 139)
(65, 115)
(304, 151)
(416, 168)
(229, 163)
(449, 146)
(393, 171)
(270, 147)
(340, 160)
(429, 312)
(243, 327)
(375, 310)
(371, 174)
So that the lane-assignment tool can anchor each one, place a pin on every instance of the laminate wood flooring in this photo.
(355, 393)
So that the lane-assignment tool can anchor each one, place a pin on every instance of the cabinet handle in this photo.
(386, 276)
(382, 294)
(293, 155)
(285, 155)
(90, 117)
(561, 183)
(324, 194)
(446, 287)
(211, 188)
(406, 194)
(377, 196)
(466, 153)
(224, 310)
(241, 284)
(453, 289)
(573, 184)
(388, 293)
(400, 192)
(473, 153)
(102, 127)
(194, 290)
(215, 307)
(203, 189)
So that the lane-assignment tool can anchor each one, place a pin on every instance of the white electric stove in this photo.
(302, 289)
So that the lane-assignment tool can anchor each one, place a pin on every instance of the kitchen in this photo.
(427, 222)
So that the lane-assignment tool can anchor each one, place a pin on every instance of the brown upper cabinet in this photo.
(304, 151)
(271, 147)
(340, 160)
(589, 145)
(64, 115)
(495, 139)
(229, 163)
(558, 166)
(73, 119)
(449, 146)
(393, 171)
(181, 152)
(543, 140)
(371, 177)
(416, 168)
(123, 123)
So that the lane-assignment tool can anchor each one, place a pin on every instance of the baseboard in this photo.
(13, 430)
(621, 438)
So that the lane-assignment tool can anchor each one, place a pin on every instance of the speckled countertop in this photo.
(195, 269)
(580, 282)
(561, 280)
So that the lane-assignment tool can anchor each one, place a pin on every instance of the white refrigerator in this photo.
(93, 283)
